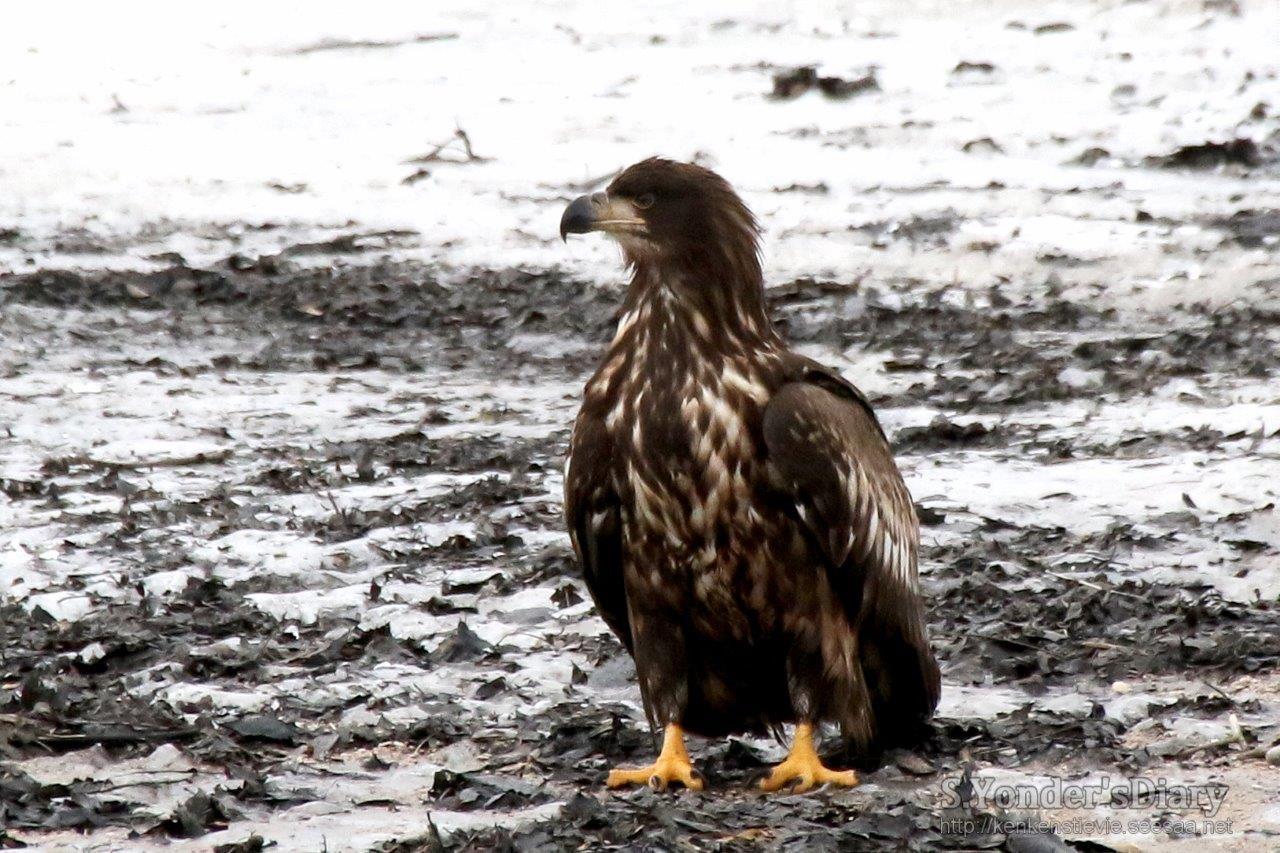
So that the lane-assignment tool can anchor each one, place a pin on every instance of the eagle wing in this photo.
(829, 455)
(594, 517)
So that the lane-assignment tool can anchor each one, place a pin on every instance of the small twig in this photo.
(1102, 644)
(1009, 640)
(1092, 585)
(1235, 735)
(466, 142)
(338, 511)
(433, 156)
(182, 774)
(1219, 691)
(113, 738)
(590, 183)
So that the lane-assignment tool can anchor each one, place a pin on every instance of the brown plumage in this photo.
(740, 521)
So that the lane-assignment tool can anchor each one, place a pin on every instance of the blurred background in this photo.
(1033, 129)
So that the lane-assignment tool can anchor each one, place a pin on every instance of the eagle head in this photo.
(670, 213)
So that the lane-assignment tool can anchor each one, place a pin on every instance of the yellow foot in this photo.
(672, 766)
(803, 767)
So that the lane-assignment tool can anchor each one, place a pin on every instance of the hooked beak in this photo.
(598, 212)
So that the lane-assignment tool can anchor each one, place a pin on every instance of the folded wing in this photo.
(593, 513)
(829, 455)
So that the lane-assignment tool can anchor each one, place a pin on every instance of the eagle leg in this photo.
(673, 765)
(803, 767)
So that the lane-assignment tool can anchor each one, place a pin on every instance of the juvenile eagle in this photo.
(740, 521)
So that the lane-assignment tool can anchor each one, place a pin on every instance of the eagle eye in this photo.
(644, 201)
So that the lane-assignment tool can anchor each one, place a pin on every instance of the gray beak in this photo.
(580, 216)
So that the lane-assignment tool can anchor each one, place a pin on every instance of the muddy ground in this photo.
(289, 351)
(286, 563)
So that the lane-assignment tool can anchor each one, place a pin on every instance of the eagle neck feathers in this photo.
(709, 299)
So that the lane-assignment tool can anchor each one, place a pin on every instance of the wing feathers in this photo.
(833, 458)
(827, 450)
(594, 519)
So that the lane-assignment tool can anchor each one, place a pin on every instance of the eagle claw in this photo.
(661, 775)
(803, 770)
(803, 781)
(672, 766)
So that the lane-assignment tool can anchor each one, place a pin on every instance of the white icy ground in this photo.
(154, 129)
(223, 101)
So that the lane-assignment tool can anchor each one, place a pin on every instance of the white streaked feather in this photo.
(747, 385)
(873, 532)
